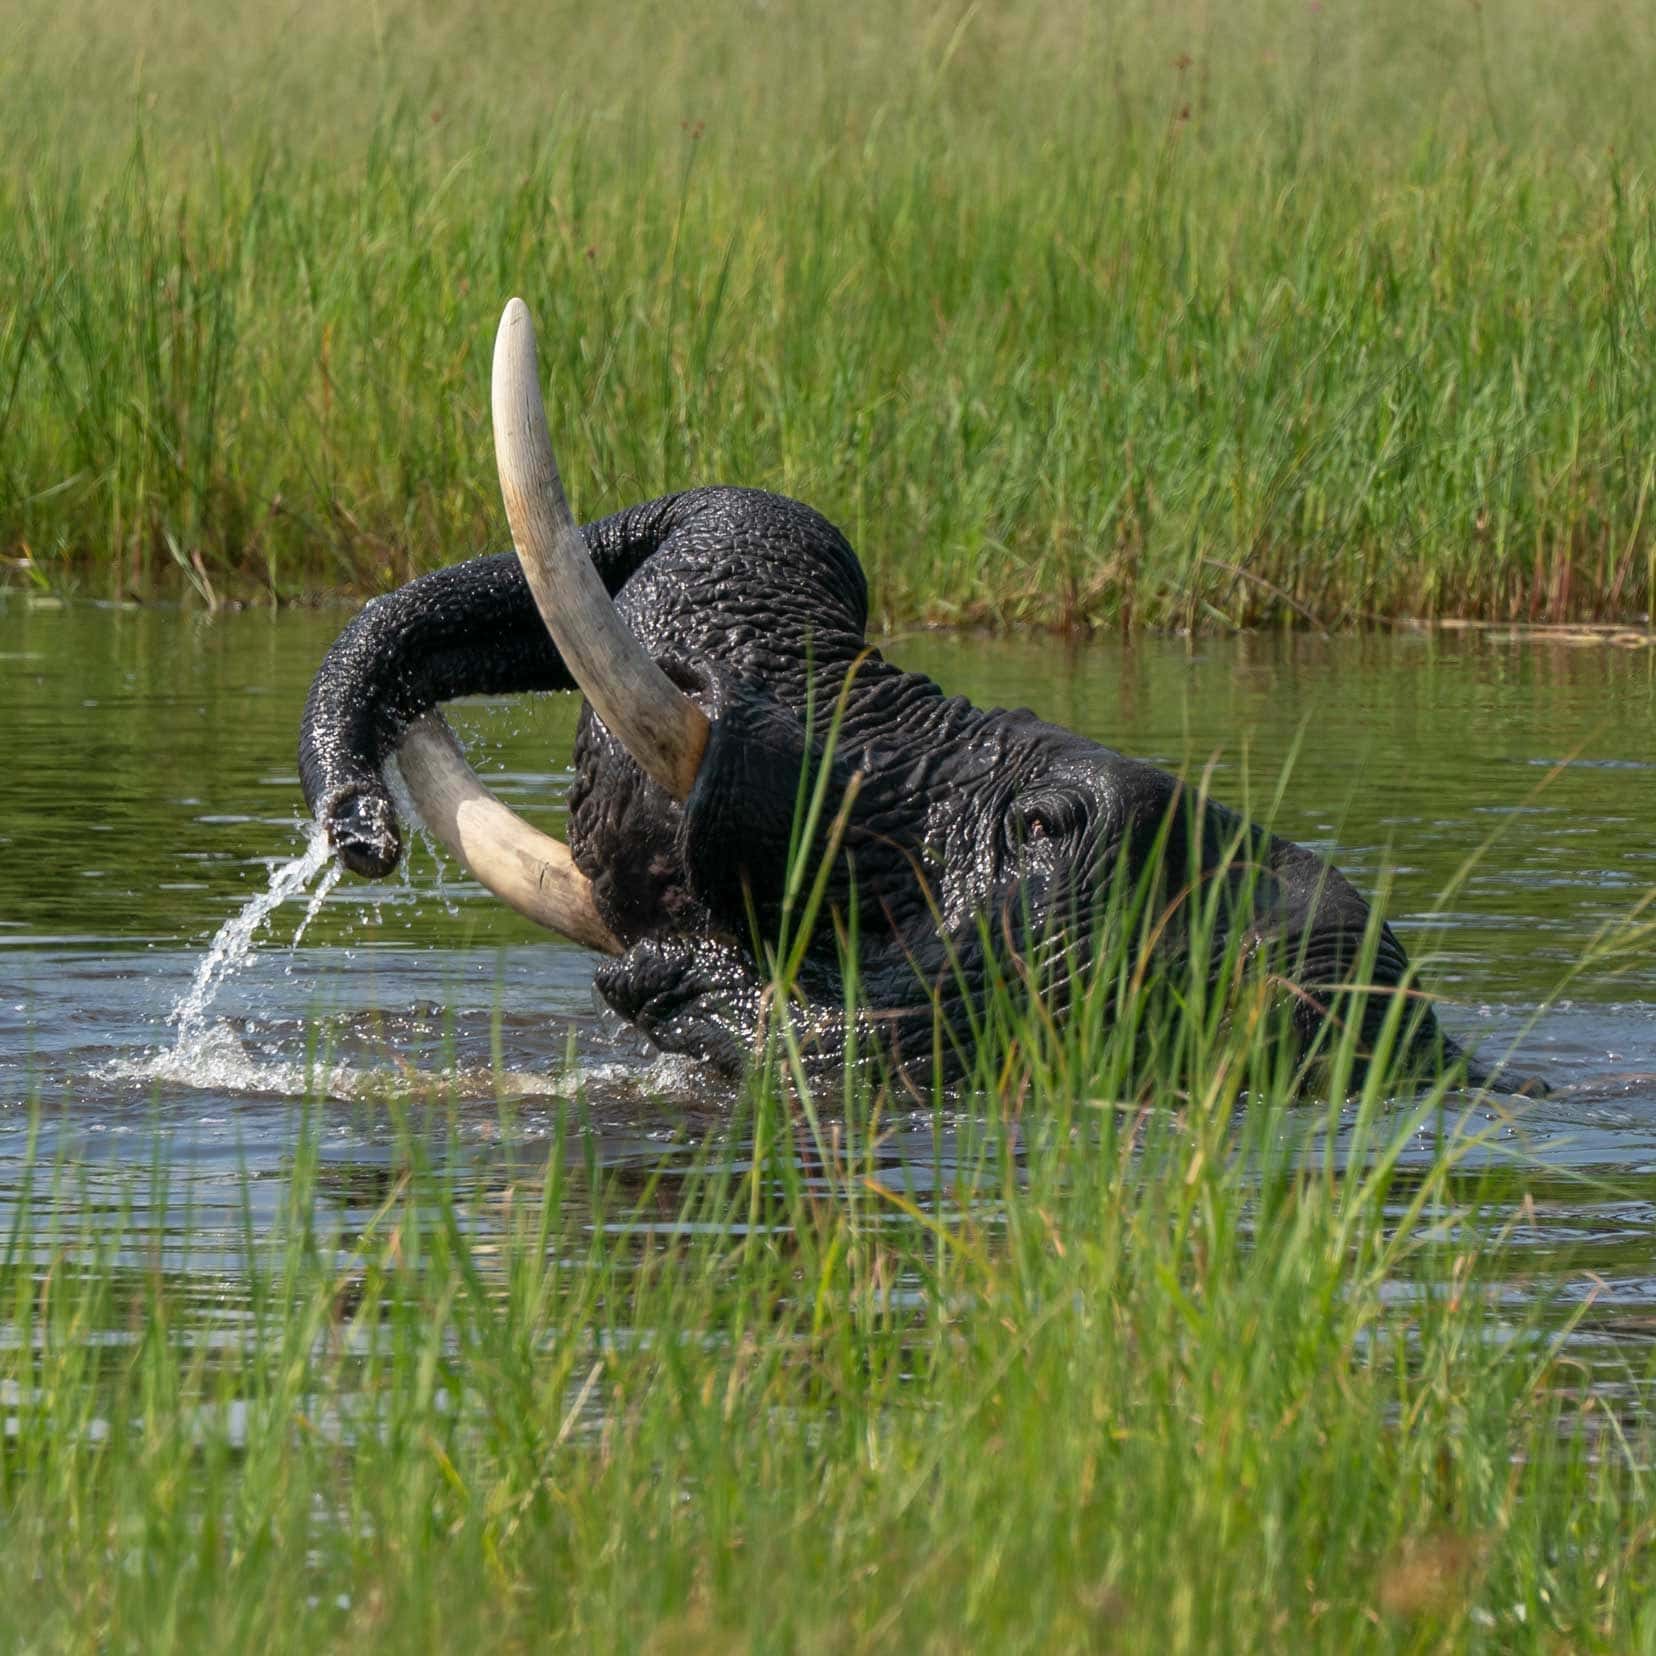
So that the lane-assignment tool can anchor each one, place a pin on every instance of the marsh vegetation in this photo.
(406, 1298)
(1195, 1377)
(1175, 315)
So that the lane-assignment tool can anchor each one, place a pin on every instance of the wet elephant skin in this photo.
(970, 841)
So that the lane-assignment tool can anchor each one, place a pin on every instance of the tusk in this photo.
(663, 730)
(528, 870)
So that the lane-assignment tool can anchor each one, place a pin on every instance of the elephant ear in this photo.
(736, 837)
(660, 727)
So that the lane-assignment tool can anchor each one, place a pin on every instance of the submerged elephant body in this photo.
(966, 845)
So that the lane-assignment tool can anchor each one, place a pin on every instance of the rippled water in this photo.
(151, 791)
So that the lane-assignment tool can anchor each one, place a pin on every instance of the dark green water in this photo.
(1507, 790)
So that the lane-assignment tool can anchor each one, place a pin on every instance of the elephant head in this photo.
(742, 740)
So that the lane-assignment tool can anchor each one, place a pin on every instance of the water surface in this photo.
(1505, 791)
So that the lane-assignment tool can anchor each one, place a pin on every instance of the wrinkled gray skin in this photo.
(966, 824)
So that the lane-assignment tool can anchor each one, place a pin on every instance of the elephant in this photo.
(743, 747)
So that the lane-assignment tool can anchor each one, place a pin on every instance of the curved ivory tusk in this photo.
(528, 870)
(663, 730)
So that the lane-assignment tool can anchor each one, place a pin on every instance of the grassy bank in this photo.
(1138, 1350)
(1067, 314)
(1120, 1379)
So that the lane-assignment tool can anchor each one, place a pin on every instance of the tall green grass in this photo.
(1147, 1352)
(1094, 1374)
(1177, 315)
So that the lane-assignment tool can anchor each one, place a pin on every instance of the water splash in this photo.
(209, 1052)
(213, 1054)
(219, 1054)
(232, 948)
(397, 785)
(214, 1058)
(330, 878)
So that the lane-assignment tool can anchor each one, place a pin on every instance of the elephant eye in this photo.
(1049, 815)
(1034, 823)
